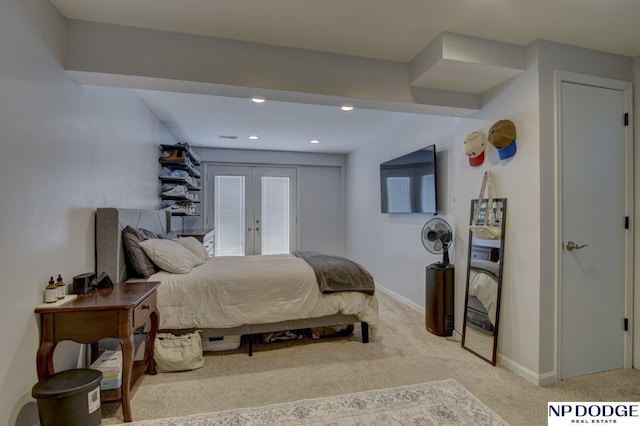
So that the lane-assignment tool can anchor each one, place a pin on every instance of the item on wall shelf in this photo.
(474, 148)
(183, 208)
(176, 155)
(485, 224)
(502, 135)
(180, 176)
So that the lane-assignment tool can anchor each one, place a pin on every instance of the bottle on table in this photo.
(51, 292)
(61, 287)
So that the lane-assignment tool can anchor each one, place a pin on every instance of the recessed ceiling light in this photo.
(253, 137)
(347, 107)
(257, 100)
(314, 141)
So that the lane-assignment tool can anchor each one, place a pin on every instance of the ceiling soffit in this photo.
(466, 64)
(97, 50)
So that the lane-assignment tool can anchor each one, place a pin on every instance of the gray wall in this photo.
(66, 149)
(321, 192)
(321, 210)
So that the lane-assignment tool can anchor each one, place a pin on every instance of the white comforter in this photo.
(232, 291)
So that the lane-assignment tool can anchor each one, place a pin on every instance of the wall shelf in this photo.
(179, 163)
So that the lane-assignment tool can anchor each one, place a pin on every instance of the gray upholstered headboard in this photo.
(109, 225)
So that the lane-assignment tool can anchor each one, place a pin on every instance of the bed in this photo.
(483, 291)
(255, 300)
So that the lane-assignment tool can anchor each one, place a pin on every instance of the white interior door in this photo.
(254, 209)
(595, 257)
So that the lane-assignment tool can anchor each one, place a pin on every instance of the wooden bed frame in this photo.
(110, 259)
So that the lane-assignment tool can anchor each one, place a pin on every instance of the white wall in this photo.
(106, 54)
(390, 245)
(66, 149)
(517, 180)
(526, 341)
(636, 219)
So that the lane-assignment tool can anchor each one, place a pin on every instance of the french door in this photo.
(254, 209)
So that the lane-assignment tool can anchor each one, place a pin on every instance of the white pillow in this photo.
(194, 246)
(170, 256)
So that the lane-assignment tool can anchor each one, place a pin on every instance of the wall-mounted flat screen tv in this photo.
(408, 183)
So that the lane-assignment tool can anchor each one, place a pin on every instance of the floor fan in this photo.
(437, 238)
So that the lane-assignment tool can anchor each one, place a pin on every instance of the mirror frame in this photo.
(502, 221)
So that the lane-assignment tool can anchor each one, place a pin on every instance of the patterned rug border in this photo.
(346, 405)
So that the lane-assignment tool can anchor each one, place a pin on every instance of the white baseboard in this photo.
(525, 373)
(456, 334)
(399, 298)
(503, 361)
(548, 378)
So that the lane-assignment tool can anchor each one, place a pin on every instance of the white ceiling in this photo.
(395, 30)
(383, 29)
(204, 120)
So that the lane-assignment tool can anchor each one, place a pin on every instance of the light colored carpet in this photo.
(403, 353)
(435, 403)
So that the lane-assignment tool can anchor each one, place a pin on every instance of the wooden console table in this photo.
(112, 312)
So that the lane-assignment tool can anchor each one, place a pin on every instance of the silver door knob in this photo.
(249, 229)
(573, 246)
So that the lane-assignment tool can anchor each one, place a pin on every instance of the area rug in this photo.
(436, 403)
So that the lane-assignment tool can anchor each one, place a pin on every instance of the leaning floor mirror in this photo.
(484, 278)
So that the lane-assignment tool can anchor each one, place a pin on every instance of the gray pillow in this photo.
(168, 236)
(146, 234)
(139, 260)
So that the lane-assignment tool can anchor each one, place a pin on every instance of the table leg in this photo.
(127, 344)
(44, 358)
(151, 364)
(95, 350)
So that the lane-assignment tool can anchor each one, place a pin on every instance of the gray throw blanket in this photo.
(335, 273)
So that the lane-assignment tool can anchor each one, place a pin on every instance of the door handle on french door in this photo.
(573, 246)
(249, 229)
